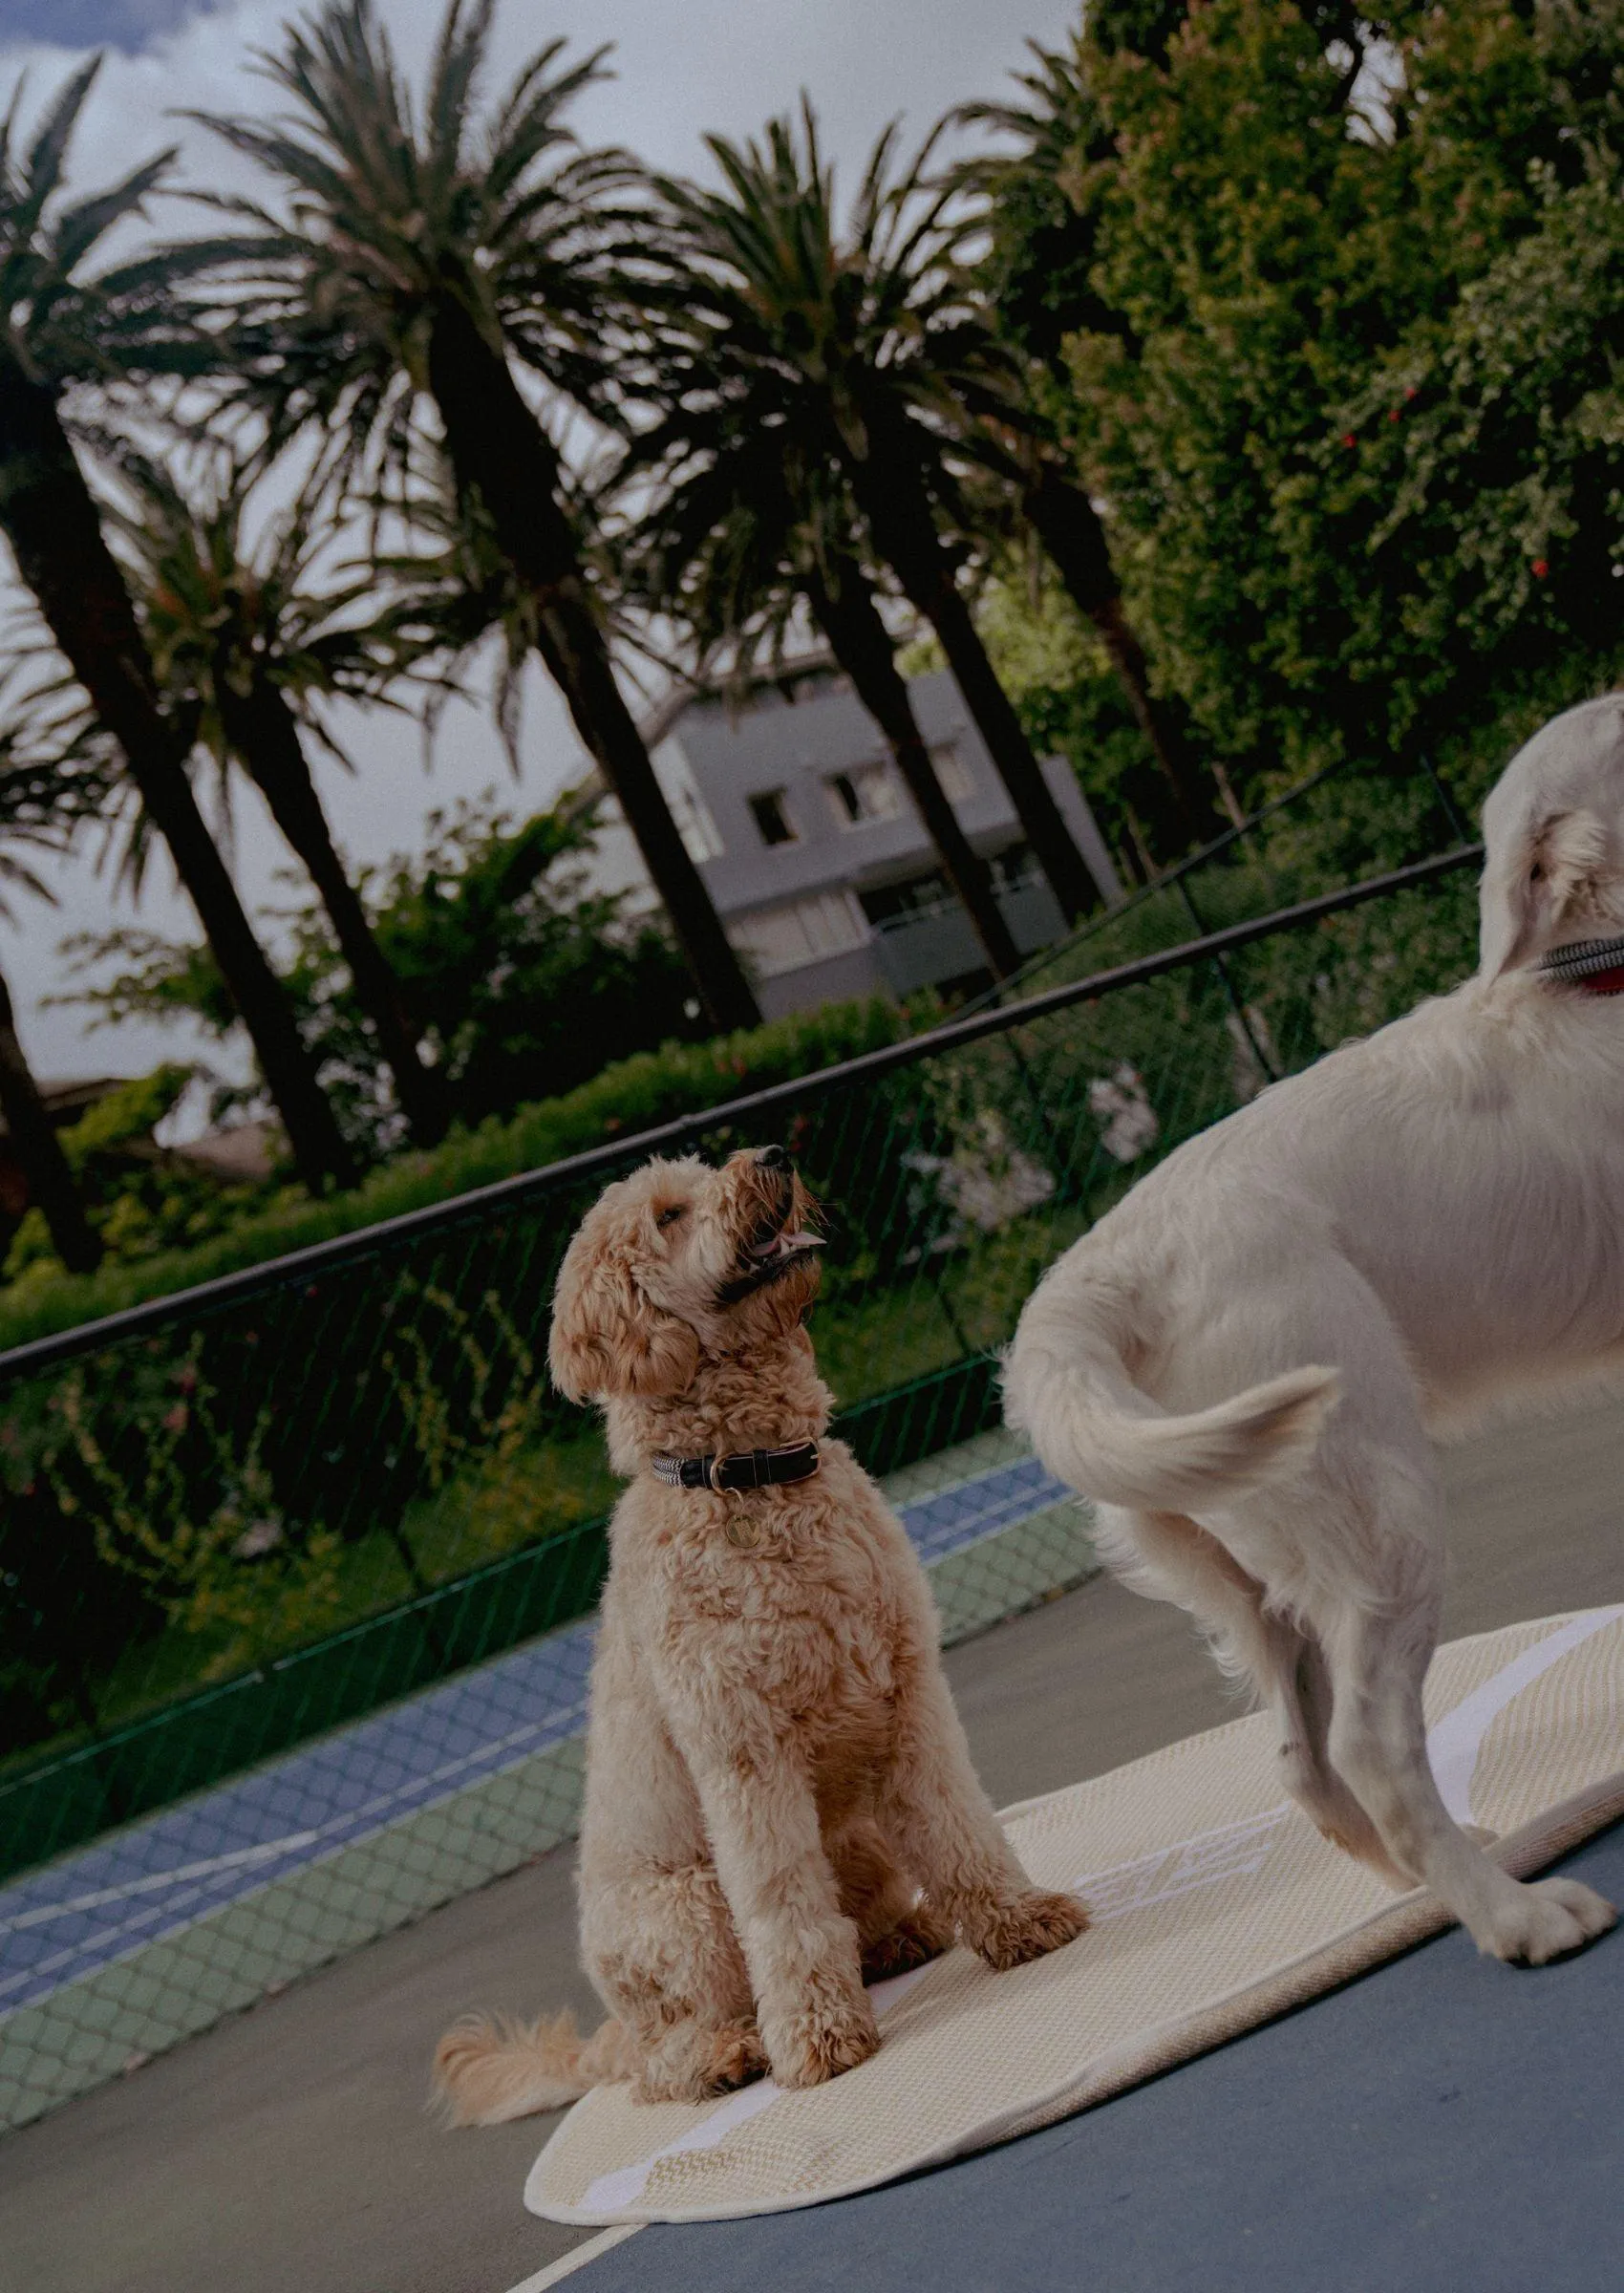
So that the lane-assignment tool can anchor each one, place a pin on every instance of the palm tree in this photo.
(855, 346)
(40, 804)
(421, 255)
(740, 533)
(1038, 297)
(245, 645)
(56, 330)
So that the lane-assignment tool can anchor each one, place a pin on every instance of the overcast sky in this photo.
(678, 70)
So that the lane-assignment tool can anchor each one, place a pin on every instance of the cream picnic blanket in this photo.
(1215, 1906)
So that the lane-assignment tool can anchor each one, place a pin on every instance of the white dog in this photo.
(1435, 1218)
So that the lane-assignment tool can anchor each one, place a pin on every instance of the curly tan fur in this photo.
(780, 1797)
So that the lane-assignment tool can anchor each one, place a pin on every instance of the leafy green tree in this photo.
(138, 1200)
(1034, 275)
(1263, 351)
(59, 329)
(528, 982)
(422, 255)
(246, 644)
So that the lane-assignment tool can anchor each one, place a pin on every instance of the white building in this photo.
(811, 849)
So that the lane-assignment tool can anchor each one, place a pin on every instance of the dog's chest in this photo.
(814, 1629)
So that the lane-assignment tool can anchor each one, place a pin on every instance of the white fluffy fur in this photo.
(1246, 1360)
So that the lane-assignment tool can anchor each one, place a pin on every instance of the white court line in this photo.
(1454, 1744)
(555, 2273)
(126, 1940)
(267, 1851)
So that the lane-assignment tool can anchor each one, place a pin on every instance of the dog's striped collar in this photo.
(741, 1468)
(1596, 965)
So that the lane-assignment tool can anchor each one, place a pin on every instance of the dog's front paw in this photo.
(819, 2042)
(1546, 1921)
(1026, 1927)
(915, 1940)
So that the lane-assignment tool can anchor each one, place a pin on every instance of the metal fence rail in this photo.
(243, 1518)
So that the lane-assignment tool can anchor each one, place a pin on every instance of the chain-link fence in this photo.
(297, 1569)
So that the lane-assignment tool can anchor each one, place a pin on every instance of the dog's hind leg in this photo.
(664, 1958)
(1167, 1557)
(1354, 1546)
(1377, 1662)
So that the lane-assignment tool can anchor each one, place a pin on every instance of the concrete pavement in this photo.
(289, 2148)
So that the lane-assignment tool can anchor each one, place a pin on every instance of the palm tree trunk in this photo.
(844, 607)
(51, 1182)
(261, 730)
(1068, 526)
(904, 533)
(48, 514)
(503, 459)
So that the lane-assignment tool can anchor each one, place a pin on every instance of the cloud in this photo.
(725, 65)
(126, 23)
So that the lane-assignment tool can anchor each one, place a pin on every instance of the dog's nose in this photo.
(773, 1158)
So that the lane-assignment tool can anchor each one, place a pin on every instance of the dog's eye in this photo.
(670, 1216)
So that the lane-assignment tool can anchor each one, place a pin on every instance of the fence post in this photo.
(1222, 968)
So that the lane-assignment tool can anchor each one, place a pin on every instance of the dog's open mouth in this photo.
(772, 1250)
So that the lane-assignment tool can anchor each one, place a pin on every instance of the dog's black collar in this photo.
(1582, 960)
(741, 1468)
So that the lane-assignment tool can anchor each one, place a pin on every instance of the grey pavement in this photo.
(1446, 2125)
(290, 2148)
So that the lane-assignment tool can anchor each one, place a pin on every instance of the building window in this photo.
(781, 939)
(770, 817)
(894, 903)
(958, 782)
(868, 792)
(1014, 868)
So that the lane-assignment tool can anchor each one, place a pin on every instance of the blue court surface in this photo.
(1445, 2124)
(89, 1909)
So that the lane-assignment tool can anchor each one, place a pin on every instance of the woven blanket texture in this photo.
(1216, 1905)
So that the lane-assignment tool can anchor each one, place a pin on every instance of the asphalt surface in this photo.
(290, 2148)
(1445, 2126)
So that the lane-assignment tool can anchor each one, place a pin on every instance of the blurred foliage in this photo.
(138, 1198)
(627, 1097)
(523, 980)
(1330, 307)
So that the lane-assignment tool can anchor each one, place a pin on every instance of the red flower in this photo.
(1350, 440)
(174, 1420)
(1392, 413)
(1540, 569)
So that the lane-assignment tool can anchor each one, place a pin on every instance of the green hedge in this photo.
(632, 1096)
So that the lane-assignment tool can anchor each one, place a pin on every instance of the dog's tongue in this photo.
(783, 1242)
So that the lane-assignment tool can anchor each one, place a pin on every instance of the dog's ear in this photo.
(1555, 875)
(607, 1337)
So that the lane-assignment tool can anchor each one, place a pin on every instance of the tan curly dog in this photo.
(780, 1798)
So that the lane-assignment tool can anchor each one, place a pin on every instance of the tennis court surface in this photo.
(289, 2146)
(1445, 2123)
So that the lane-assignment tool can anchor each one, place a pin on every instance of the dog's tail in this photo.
(487, 2070)
(1065, 1384)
